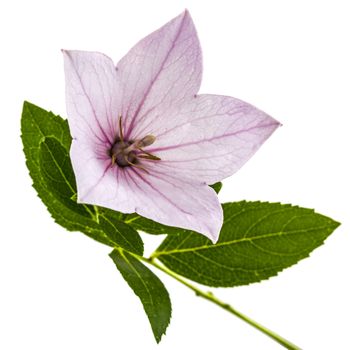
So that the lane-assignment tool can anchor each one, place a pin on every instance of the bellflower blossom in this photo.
(145, 142)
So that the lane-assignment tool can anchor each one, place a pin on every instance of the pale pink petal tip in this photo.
(210, 137)
(162, 70)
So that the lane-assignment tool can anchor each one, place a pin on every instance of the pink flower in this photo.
(145, 142)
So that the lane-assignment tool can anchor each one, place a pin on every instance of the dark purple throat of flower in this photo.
(125, 153)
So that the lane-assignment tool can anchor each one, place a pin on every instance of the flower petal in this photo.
(99, 183)
(209, 138)
(93, 96)
(162, 69)
(160, 197)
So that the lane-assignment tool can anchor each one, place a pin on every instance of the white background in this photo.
(59, 290)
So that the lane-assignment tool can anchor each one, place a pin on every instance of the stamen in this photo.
(126, 153)
(139, 144)
(147, 155)
(146, 141)
(136, 166)
(113, 160)
(121, 136)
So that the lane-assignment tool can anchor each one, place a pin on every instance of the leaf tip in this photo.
(334, 225)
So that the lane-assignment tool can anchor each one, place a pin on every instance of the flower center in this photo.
(121, 155)
(128, 153)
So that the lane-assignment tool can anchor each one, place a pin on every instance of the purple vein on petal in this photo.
(161, 194)
(166, 148)
(169, 173)
(89, 126)
(161, 178)
(128, 175)
(88, 98)
(136, 172)
(131, 125)
(212, 156)
(109, 118)
(97, 183)
(237, 110)
(145, 114)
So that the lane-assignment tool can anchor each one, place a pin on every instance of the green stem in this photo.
(212, 298)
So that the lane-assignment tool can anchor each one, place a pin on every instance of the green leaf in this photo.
(217, 187)
(57, 172)
(155, 228)
(36, 124)
(257, 241)
(46, 140)
(148, 287)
